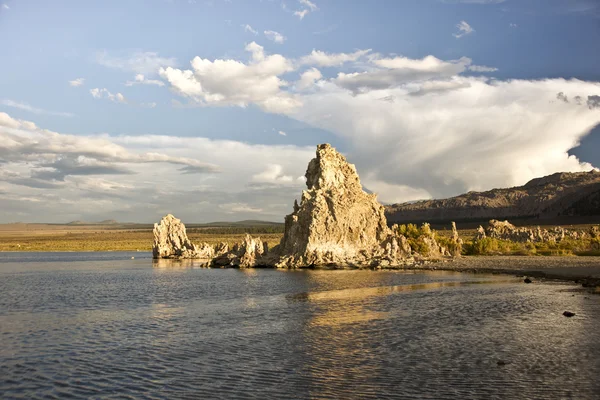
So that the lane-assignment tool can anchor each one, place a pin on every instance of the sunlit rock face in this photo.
(337, 222)
(171, 241)
(249, 253)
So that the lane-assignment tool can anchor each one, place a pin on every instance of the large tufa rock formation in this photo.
(336, 221)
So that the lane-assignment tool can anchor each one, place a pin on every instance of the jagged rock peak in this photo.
(336, 222)
(329, 170)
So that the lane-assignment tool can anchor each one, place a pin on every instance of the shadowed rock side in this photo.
(561, 195)
(335, 224)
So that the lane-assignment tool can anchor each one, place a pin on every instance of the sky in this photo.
(211, 110)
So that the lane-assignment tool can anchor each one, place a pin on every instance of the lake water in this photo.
(103, 325)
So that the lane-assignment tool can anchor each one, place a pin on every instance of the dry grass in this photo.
(116, 239)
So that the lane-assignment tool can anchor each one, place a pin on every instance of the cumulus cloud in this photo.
(231, 82)
(275, 36)
(35, 110)
(433, 130)
(463, 29)
(308, 79)
(104, 93)
(77, 82)
(282, 133)
(486, 134)
(482, 68)
(140, 62)
(273, 174)
(140, 79)
(400, 70)
(323, 59)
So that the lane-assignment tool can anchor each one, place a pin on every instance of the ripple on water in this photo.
(128, 330)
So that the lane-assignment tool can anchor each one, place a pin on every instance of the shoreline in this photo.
(577, 269)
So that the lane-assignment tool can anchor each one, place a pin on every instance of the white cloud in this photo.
(275, 36)
(513, 25)
(463, 29)
(248, 28)
(482, 68)
(140, 79)
(301, 13)
(282, 133)
(308, 8)
(477, 136)
(231, 82)
(35, 110)
(311, 6)
(104, 93)
(5, 6)
(398, 71)
(235, 208)
(77, 82)
(273, 174)
(98, 177)
(147, 63)
(433, 131)
(308, 79)
(148, 105)
(323, 59)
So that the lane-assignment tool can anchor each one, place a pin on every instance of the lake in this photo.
(104, 325)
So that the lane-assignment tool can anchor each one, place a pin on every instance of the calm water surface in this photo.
(103, 325)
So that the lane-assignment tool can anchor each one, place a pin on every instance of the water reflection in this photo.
(180, 264)
(142, 331)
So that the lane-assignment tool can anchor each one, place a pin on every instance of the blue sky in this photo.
(413, 91)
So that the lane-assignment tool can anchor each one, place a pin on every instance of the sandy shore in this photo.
(585, 270)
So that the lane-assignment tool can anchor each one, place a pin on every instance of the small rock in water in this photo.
(501, 363)
(569, 314)
(527, 280)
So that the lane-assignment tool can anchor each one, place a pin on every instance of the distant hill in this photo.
(105, 222)
(559, 197)
(249, 222)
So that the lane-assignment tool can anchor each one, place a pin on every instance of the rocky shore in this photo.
(584, 270)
